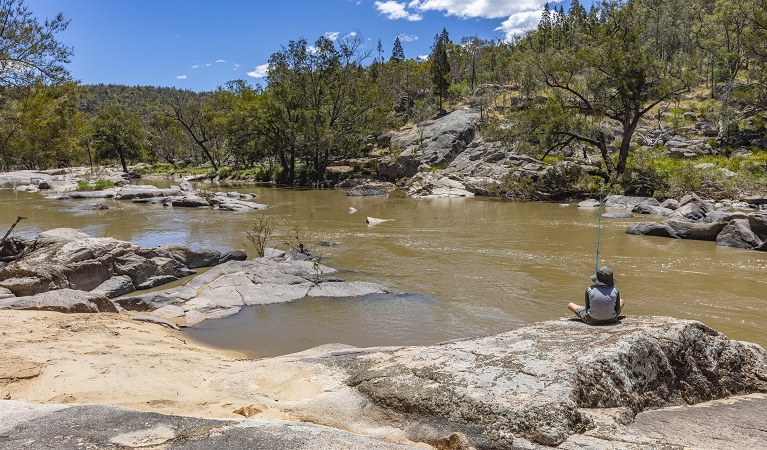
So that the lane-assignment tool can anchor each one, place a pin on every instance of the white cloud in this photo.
(423, 57)
(352, 34)
(407, 37)
(395, 10)
(236, 66)
(259, 72)
(181, 77)
(196, 66)
(332, 35)
(220, 61)
(208, 64)
(519, 23)
(487, 9)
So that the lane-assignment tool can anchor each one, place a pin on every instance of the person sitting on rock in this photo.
(603, 301)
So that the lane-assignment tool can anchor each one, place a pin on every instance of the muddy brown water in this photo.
(469, 267)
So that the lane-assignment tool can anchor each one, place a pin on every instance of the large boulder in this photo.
(66, 258)
(433, 143)
(758, 224)
(234, 204)
(370, 189)
(679, 229)
(623, 201)
(432, 185)
(651, 208)
(738, 234)
(538, 385)
(691, 207)
(116, 286)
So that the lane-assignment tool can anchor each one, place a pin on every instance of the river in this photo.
(470, 267)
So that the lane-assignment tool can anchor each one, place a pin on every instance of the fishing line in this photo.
(599, 228)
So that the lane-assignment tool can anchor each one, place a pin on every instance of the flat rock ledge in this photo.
(646, 383)
(227, 288)
(553, 383)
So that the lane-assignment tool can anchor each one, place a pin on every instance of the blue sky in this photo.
(200, 45)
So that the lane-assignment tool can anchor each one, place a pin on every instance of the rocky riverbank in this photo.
(563, 384)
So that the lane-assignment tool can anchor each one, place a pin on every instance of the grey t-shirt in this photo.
(603, 302)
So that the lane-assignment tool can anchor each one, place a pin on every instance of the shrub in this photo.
(260, 232)
(100, 185)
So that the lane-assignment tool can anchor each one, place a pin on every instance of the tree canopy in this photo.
(581, 81)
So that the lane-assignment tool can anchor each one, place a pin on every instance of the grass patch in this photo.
(652, 174)
(99, 185)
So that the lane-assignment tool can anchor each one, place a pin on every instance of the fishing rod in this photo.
(599, 227)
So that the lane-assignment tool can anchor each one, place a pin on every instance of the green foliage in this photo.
(458, 91)
(261, 230)
(397, 53)
(224, 172)
(440, 65)
(118, 134)
(654, 174)
(596, 69)
(297, 235)
(561, 181)
(99, 185)
(29, 51)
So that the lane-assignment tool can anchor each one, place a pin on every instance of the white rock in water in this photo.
(374, 221)
(352, 210)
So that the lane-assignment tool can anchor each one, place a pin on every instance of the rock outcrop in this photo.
(538, 385)
(70, 259)
(695, 219)
(434, 143)
(61, 300)
(227, 288)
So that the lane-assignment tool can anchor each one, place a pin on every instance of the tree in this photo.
(165, 138)
(240, 114)
(380, 50)
(322, 102)
(195, 118)
(40, 126)
(440, 66)
(606, 73)
(28, 49)
(118, 134)
(397, 54)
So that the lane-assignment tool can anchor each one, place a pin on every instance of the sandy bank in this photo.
(50, 357)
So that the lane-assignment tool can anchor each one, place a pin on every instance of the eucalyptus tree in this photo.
(240, 117)
(29, 49)
(118, 134)
(165, 138)
(325, 99)
(196, 118)
(32, 59)
(602, 75)
(41, 126)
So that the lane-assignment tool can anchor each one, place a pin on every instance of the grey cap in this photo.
(604, 277)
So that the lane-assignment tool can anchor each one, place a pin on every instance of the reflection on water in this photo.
(488, 264)
(386, 319)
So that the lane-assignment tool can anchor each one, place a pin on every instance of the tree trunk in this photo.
(122, 161)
